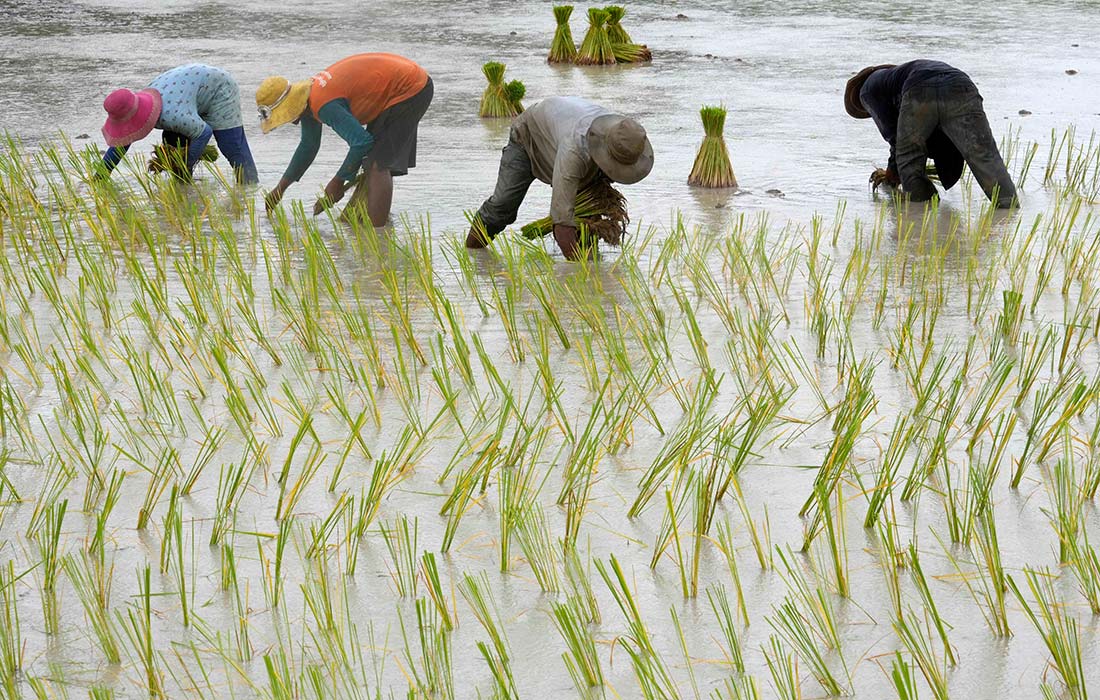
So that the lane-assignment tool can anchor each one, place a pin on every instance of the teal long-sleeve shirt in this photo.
(337, 114)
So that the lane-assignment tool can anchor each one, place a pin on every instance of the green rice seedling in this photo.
(401, 542)
(429, 572)
(478, 593)
(727, 622)
(1068, 503)
(1060, 632)
(631, 53)
(916, 637)
(321, 533)
(649, 668)
(729, 552)
(291, 492)
(994, 580)
(164, 473)
(458, 502)
(596, 48)
(931, 610)
(240, 604)
(562, 48)
(891, 558)
(903, 678)
(792, 628)
(57, 478)
(1085, 565)
(11, 641)
(538, 548)
(712, 166)
(1043, 433)
(497, 100)
(51, 560)
(138, 626)
(432, 677)
(579, 586)
(783, 667)
(232, 482)
(581, 658)
(902, 438)
(211, 443)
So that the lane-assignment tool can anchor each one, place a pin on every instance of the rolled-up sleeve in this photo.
(338, 115)
(570, 168)
(308, 145)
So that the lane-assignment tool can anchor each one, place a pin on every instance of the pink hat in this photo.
(130, 115)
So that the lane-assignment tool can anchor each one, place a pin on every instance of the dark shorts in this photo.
(394, 132)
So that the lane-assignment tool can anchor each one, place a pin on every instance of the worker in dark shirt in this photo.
(928, 109)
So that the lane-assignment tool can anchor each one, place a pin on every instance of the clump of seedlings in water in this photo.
(596, 48)
(622, 46)
(500, 99)
(562, 49)
(712, 167)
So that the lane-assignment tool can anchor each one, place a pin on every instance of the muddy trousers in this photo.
(957, 111)
(513, 181)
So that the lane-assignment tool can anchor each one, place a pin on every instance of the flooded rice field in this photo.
(793, 441)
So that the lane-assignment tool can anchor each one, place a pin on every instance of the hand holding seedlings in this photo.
(334, 192)
(882, 176)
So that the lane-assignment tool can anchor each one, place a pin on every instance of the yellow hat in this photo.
(281, 101)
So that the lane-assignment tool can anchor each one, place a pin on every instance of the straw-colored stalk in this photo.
(596, 48)
(712, 166)
(500, 99)
(600, 212)
(562, 49)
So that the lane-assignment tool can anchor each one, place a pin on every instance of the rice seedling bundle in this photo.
(624, 48)
(562, 48)
(712, 166)
(173, 159)
(596, 49)
(600, 212)
(500, 100)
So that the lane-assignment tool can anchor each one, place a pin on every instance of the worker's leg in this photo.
(379, 184)
(918, 117)
(234, 146)
(965, 123)
(500, 210)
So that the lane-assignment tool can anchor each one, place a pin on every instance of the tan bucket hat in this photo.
(280, 101)
(620, 147)
(852, 104)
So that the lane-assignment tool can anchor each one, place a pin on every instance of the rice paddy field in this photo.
(793, 442)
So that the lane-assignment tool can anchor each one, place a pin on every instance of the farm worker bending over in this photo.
(927, 109)
(189, 104)
(566, 142)
(374, 101)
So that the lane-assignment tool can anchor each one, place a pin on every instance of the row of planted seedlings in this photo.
(349, 473)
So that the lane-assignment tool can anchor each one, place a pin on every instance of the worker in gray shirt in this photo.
(566, 142)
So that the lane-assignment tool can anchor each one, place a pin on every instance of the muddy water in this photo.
(780, 69)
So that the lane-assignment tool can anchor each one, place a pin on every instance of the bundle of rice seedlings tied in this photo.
(173, 159)
(562, 48)
(624, 48)
(596, 49)
(500, 100)
(600, 212)
(712, 166)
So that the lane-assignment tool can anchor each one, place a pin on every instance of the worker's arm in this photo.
(885, 115)
(196, 145)
(337, 114)
(111, 159)
(308, 145)
(569, 169)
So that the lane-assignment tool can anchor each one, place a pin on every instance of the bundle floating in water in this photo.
(624, 48)
(712, 164)
(596, 49)
(562, 48)
(500, 100)
(600, 212)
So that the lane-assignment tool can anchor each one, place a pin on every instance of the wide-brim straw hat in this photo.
(130, 115)
(280, 101)
(620, 147)
(852, 104)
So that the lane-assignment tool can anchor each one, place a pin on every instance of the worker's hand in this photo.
(884, 176)
(568, 241)
(334, 192)
(272, 198)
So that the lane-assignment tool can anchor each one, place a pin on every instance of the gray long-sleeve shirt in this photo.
(554, 133)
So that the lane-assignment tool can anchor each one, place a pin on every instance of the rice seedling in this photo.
(433, 675)
(1059, 631)
(931, 610)
(917, 640)
(500, 99)
(137, 623)
(622, 46)
(600, 213)
(783, 667)
(727, 622)
(581, 658)
(429, 572)
(48, 540)
(580, 587)
(712, 166)
(478, 593)
(562, 47)
(401, 543)
(596, 48)
(11, 644)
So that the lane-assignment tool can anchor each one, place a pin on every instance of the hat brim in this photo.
(852, 104)
(118, 135)
(624, 173)
(290, 108)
